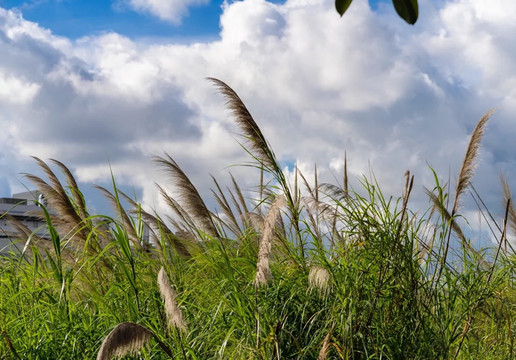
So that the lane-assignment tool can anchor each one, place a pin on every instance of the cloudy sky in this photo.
(107, 84)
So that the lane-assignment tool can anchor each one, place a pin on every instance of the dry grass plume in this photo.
(125, 339)
(263, 272)
(247, 125)
(191, 201)
(325, 347)
(174, 315)
(319, 278)
(470, 160)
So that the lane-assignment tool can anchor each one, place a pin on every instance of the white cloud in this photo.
(15, 28)
(168, 10)
(393, 96)
(16, 91)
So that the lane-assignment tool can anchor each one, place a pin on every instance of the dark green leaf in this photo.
(407, 10)
(342, 6)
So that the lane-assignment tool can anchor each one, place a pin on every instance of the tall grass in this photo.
(281, 272)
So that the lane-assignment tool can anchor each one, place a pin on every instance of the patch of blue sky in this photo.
(78, 18)
(375, 3)
(290, 164)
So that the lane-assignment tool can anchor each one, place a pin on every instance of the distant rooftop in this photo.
(22, 207)
(27, 198)
(13, 201)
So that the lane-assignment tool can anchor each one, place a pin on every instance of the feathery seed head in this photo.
(173, 313)
(319, 278)
(263, 272)
(126, 338)
(469, 164)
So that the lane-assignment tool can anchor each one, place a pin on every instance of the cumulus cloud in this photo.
(14, 90)
(171, 11)
(394, 97)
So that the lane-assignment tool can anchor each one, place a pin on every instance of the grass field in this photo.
(287, 271)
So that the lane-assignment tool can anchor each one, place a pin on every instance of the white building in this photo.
(23, 207)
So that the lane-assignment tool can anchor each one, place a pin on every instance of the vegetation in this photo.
(289, 271)
(408, 10)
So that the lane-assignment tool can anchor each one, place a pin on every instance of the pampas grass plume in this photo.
(125, 339)
(470, 160)
(172, 311)
(325, 347)
(263, 271)
(319, 278)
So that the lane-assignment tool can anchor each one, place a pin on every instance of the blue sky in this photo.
(78, 18)
(105, 85)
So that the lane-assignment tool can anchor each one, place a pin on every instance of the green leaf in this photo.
(407, 10)
(342, 6)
